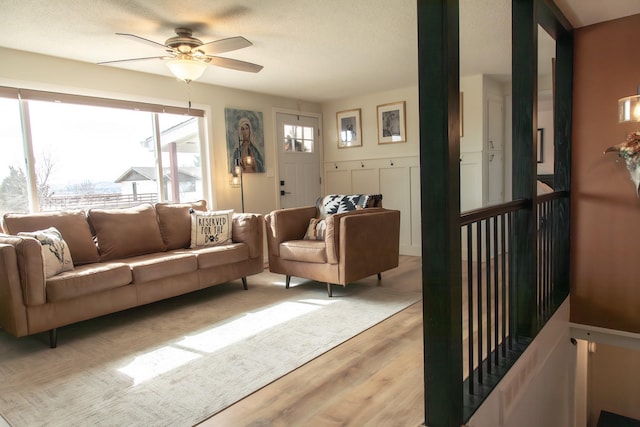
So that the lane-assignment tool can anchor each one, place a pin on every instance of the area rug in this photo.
(180, 361)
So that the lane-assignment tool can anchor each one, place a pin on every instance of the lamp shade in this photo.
(629, 109)
(186, 69)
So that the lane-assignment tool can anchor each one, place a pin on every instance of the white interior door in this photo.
(298, 160)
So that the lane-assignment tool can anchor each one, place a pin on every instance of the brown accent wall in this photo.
(605, 235)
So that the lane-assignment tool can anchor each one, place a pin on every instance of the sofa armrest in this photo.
(13, 313)
(364, 236)
(247, 228)
(30, 267)
(287, 224)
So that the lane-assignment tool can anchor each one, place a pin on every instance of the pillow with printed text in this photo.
(210, 228)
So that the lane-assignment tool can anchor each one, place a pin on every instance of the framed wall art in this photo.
(349, 129)
(245, 140)
(461, 118)
(391, 123)
(540, 145)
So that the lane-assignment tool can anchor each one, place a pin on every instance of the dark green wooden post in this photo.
(523, 247)
(439, 86)
(562, 161)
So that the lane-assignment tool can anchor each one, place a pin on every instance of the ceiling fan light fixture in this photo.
(186, 69)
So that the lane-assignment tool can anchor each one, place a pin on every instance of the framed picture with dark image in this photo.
(540, 145)
(391, 123)
(349, 129)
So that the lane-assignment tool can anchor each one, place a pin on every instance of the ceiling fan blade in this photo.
(134, 59)
(235, 64)
(224, 45)
(143, 40)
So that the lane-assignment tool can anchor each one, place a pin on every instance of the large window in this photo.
(88, 152)
(13, 180)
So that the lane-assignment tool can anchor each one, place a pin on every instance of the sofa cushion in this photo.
(304, 250)
(316, 229)
(55, 251)
(128, 232)
(175, 222)
(214, 256)
(72, 225)
(211, 228)
(88, 279)
(147, 268)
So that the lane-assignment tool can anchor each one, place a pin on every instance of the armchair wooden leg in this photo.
(53, 338)
(379, 276)
(287, 281)
(244, 283)
(329, 291)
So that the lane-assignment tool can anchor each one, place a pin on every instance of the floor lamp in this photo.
(238, 168)
(237, 179)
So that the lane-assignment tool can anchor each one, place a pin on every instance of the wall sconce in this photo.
(629, 109)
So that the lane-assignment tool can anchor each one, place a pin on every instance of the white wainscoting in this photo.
(397, 179)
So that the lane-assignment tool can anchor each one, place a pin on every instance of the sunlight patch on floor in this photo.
(249, 325)
(165, 359)
(157, 362)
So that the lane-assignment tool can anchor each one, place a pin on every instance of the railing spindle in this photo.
(496, 322)
(470, 304)
(479, 286)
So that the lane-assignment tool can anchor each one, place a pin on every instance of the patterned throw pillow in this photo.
(55, 250)
(337, 203)
(210, 228)
(316, 229)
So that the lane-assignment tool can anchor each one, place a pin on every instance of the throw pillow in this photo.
(55, 251)
(175, 222)
(72, 224)
(316, 229)
(210, 228)
(337, 203)
(126, 232)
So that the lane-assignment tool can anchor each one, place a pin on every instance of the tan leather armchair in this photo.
(356, 244)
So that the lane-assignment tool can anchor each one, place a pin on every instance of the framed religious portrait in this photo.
(349, 129)
(245, 140)
(391, 123)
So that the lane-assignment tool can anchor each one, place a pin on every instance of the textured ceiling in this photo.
(314, 50)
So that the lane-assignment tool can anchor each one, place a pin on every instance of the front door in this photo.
(298, 159)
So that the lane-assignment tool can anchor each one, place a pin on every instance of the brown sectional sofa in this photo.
(122, 258)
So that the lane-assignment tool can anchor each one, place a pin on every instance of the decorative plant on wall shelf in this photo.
(629, 111)
(630, 152)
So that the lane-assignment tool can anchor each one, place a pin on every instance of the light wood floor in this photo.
(373, 379)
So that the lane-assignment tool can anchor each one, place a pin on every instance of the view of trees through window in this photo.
(81, 156)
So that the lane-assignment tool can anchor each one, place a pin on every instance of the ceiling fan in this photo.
(188, 56)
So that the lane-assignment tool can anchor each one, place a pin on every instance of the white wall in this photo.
(392, 170)
(539, 389)
(368, 105)
(32, 71)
